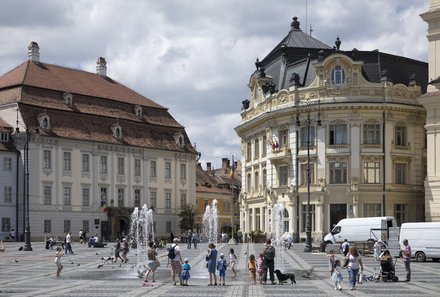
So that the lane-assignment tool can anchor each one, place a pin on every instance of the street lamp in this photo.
(309, 122)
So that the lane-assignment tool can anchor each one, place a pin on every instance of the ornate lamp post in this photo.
(309, 123)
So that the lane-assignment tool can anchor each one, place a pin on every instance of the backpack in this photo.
(270, 253)
(171, 253)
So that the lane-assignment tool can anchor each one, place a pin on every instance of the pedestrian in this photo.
(118, 250)
(125, 249)
(337, 275)
(211, 258)
(354, 262)
(12, 234)
(185, 272)
(260, 269)
(176, 262)
(194, 240)
(171, 237)
(269, 262)
(81, 238)
(331, 261)
(85, 237)
(152, 263)
(232, 260)
(406, 255)
(58, 255)
(2, 247)
(377, 249)
(188, 239)
(252, 268)
(68, 244)
(221, 267)
(345, 246)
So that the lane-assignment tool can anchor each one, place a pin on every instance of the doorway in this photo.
(337, 213)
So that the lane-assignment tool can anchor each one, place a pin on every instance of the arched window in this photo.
(338, 76)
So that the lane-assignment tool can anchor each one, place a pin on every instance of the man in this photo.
(80, 234)
(12, 234)
(269, 262)
(68, 244)
(188, 239)
(176, 262)
(406, 255)
(345, 247)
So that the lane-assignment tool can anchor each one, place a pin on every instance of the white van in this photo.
(359, 229)
(423, 238)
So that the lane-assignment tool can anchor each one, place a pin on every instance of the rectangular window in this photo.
(303, 174)
(8, 194)
(372, 210)
(4, 137)
(338, 172)
(6, 224)
(86, 226)
(371, 134)
(264, 145)
(168, 200)
(248, 151)
(304, 217)
(168, 227)
(121, 166)
(47, 195)
(67, 196)
(137, 167)
(256, 181)
(182, 171)
(153, 200)
(103, 165)
(103, 195)
(264, 178)
(283, 175)
(7, 164)
(400, 137)
(182, 199)
(121, 196)
(303, 137)
(372, 172)
(283, 137)
(338, 134)
(400, 173)
(137, 197)
(153, 172)
(85, 163)
(47, 160)
(248, 183)
(257, 149)
(67, 161)
(66, 226)
(400, 213)
(47, 226)
(168, 170)
(85, 196)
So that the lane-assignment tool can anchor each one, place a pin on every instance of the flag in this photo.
(231, 174)
(103, 205)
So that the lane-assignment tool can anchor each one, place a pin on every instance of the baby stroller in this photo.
(387, 268)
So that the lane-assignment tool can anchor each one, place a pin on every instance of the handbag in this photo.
(361, 278)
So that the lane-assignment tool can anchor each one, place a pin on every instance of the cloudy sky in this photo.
(196, 56)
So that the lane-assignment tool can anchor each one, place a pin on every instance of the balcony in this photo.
(281, 153)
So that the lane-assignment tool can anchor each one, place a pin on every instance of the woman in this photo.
(232, 260)
(354, 262)
(152, 263)
(211, 258)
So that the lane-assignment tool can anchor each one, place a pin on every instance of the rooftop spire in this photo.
(101, 66)
(34, 52)
(295, 24)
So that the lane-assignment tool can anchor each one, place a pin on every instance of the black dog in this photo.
(283, 277)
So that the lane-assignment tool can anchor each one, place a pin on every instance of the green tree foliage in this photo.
(187, 217)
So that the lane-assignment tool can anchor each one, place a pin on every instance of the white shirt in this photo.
(67, 238)
(176, 252)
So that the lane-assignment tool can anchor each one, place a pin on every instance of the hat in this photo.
(176, 240)
(186, 260)
(222, 255)
(124, 239)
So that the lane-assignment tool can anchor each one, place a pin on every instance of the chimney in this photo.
(34, 52)
(101, 66)
(208, 166)
(225, 163)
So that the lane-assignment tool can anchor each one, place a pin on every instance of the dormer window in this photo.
(44, 121)
(338, 76)
(68, 98)
(138, 111)
(179, 139)
(117, 131)
(4, 137)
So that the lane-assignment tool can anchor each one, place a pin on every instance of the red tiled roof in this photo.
(207, 183)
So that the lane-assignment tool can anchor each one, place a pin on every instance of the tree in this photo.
(187, 216)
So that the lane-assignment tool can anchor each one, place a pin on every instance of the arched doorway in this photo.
(122, 227)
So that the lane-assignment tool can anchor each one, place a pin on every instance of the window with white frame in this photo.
(85, 196)
(248, 183)
(256, 180)
(103, 196)
(47, 160)
(371, 133)
(137, 167)
(103, 166)
(283, 174)
(153, 199)
(248, 151)
(137, 197)
(121, 196)
(168, 200)
(400, 213)
(283, 137)
(183, 171)
(371, 172)
(67, 196)
(400, 173)
(66, 226)
(167, 170)
(264, 178)
(338, 134)
(264, 146)
(304, 173)
(338, 76)
(4, 137)
(400, 136)
(6, 224)
(47, 226)
(47, 195)
(67, 161)
(8, 194)
(7, 164)
(153, 168)
(372, 210)
(338, 172)
(303, 137)
(121, 166)
(85, 163)
(183, 199)
(304, 217)
(286, 221)
(256, 148)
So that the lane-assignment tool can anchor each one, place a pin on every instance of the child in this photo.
(58, 254)
(337, 275)
(252, 267)
(221, 267)
(185, 272)
(260, 270)
(232, 259)
(331, 261)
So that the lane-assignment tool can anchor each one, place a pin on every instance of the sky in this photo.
(196, 57)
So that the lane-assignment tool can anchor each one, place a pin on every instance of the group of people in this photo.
(264, 264)
(353, 262)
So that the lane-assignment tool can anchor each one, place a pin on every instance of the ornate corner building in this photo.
(90, 150)
(331, 134)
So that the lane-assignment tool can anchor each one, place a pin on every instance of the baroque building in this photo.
(95, 149)
(329, 134)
